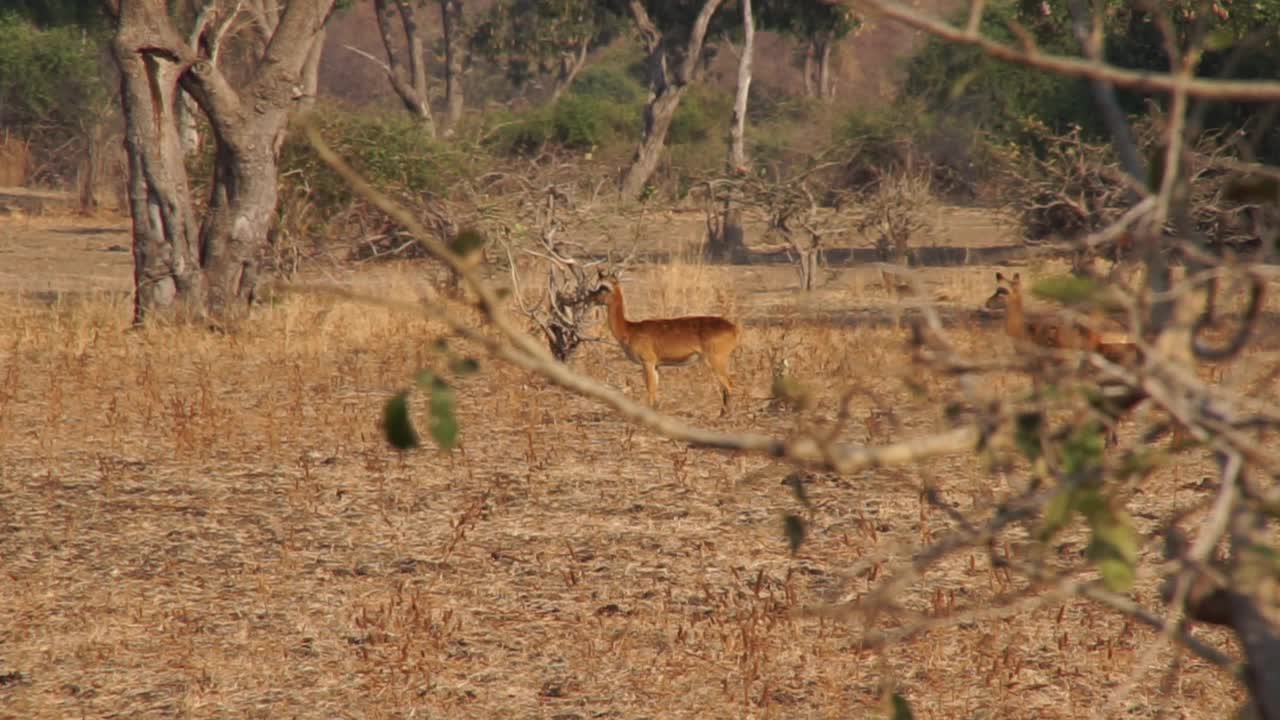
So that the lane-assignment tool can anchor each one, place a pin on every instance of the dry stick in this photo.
(523, 351)
(1243, 90)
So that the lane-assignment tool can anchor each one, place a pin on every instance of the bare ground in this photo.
(195, 525)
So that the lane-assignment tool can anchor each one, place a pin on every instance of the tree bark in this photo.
(729, 241)
(183, 268)
(311, 73)
(666, 88)
(810, 61)
(737, 128)
(411, 87)
(826, 84)
(454, 56)
(570, 65)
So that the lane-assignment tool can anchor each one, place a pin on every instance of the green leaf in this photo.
(1057, 512)
(1067, 289)
(1082, 452)
(796, 482)
(467, 241)
(1261, 189)
(1220, 39)
(899, 709)
(1114, 548)
(396, 425)
(794, 527)
(444, 423)
(1026, 434)
(464, 366)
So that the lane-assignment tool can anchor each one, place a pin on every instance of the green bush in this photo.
(603, 106)
(611, 82)
(392, 152)
(47, 77)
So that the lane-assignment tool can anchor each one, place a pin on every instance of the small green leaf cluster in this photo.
(397, 423)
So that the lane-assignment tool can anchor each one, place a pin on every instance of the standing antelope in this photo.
(670, 342)
(1066, 335)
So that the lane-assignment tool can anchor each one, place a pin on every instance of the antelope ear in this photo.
(1017, 277)
(999, 277)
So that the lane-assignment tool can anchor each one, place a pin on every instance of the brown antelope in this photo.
(1062, 334)
(670, 342)
(1052, 332)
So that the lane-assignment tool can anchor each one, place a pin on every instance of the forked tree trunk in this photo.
(410, 84)
(454, 56)
(184, 268)
(666, 87)
(657, 121)
(570, 65)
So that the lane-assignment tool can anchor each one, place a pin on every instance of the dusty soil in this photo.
(197, 525)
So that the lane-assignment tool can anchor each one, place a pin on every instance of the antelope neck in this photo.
(617, 313)
(1014, 319)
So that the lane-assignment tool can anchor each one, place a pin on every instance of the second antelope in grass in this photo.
(1054, 332)
(671, 341)
(1061, 334)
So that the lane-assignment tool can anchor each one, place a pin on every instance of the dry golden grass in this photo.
(204, 525)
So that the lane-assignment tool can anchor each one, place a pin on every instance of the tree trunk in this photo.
(737, 127)
(810, 61)
(657, 121)
(410, 87)
(166, 257)
(242, 208)
(729, 242)
(570, 65)
(826, 86)
(182, 268)
(454, 55)
(666, 87)
(311, 73)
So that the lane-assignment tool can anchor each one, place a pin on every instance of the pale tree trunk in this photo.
(311, 73)
(570, 65)
(810, 62)
(729, 241)
(454, 56)
(410, 85)
(208, 269)
(666, 87)
(737, 128)
(826, 85)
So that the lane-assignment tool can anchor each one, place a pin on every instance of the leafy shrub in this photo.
(393, 152)
(51, 91)
(603, 106)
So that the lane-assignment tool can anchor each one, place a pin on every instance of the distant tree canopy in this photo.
(1243, 42)
(49, 78)
(529, 38)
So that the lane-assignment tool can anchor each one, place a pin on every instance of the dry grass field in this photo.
(211, 525)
